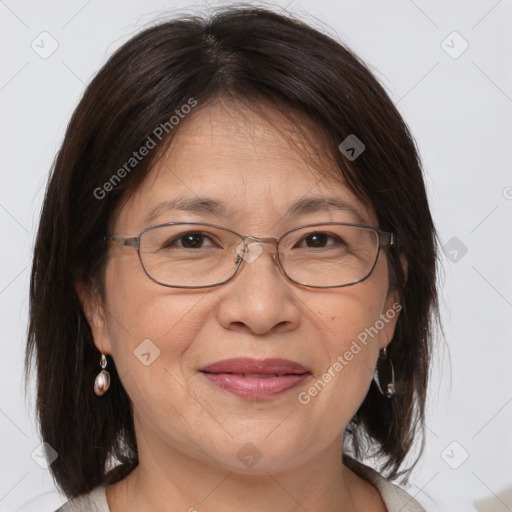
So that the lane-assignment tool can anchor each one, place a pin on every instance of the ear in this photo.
(94, 311)
(392, 308)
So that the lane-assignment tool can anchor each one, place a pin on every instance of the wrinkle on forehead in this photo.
(265, 126)
(217, 131)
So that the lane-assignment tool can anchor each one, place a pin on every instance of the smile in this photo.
(254, 387)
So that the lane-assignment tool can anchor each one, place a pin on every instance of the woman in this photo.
(233, 288)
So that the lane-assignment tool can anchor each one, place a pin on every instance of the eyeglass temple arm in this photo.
(130, 242)
(387, 239)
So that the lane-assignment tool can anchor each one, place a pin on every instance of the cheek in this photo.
(338, 389)
(140, 308)
(350, 319)
(150, 327)
(353, 313)
(152, 330)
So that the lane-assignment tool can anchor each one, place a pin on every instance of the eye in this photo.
(320, 239)
(189, 240)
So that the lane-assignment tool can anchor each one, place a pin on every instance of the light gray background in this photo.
(459, 110)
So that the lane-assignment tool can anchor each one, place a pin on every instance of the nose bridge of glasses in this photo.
(252, 254)
(261, 241)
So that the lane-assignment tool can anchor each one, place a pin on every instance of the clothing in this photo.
(94, 501)
(395, 498)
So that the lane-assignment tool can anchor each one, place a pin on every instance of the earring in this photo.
(102, 381)
(384, 375)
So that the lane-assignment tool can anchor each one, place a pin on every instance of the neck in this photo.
(169, 480)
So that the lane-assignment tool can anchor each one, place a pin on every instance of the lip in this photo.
(256, 379)
(250, 365)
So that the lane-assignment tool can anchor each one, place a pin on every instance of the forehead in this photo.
(257, 166)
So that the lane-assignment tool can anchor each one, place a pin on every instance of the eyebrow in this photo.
(315, 204)
(210, 206)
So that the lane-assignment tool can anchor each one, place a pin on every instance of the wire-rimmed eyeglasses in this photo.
(201, 255)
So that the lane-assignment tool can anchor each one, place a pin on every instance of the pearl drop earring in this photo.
(102, 381)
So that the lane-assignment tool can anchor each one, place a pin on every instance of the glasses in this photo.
(197, 255)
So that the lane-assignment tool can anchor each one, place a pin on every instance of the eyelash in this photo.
(170, 243)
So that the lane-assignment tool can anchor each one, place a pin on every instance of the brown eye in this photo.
(319, 240)
(191, 240)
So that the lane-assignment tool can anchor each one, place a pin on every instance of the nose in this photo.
(259, 299)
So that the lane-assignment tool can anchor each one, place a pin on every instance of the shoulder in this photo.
(394, 497)
(94, 501)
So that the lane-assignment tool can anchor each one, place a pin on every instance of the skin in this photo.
(188, 430)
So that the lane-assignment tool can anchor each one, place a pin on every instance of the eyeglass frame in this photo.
(385, 239)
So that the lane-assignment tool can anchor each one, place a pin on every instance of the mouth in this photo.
(255, 375)
(247, 365)
(255, 379)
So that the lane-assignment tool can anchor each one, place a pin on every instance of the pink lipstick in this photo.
(256, 379)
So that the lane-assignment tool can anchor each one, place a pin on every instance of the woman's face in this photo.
(160, 338)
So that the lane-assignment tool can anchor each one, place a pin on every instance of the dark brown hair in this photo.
(258, 57)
